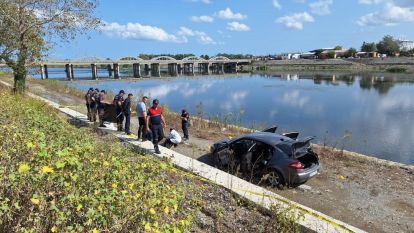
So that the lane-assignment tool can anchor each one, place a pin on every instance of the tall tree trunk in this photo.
(19, 70)
(20, 79)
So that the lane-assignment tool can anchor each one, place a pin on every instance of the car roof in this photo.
(269, 138)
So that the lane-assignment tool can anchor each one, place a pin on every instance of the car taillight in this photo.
(296, 165)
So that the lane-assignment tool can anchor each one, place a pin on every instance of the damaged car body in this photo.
(277, 159)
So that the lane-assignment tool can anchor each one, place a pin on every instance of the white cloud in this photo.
(321, 7)
(228, 14)
(202, 37)
(235, 100)
(202, 1)
(295, 99)
(391, 15)
(401, 3)
(238, 27)
(369, 2)
(296, 21)
(202, 19)
(137, 31)
(276, 4)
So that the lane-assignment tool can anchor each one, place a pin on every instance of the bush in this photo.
(396, 70)
(57, 178)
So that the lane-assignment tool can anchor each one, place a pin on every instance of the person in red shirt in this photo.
(156, 122)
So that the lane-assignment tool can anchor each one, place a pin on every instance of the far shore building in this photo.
(309, 55)
(405, 45)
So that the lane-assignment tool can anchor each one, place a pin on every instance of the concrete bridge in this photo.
(148, 68)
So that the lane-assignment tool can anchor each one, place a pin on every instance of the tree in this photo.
(369, 47)
(351, 52)
(388, 46)
(331, 54)
(338, 47)
(29, 27)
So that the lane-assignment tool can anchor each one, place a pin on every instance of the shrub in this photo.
(57, 178)
(397, 70)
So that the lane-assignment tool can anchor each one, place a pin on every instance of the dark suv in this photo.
(277, 159)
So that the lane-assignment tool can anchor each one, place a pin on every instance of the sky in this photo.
(258, 27)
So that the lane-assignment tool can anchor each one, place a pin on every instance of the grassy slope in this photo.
(55, 177)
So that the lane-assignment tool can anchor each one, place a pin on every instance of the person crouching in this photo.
(173, 139)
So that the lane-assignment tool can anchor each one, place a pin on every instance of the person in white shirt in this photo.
(173, 139)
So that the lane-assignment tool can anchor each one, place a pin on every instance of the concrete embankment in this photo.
(354, 64)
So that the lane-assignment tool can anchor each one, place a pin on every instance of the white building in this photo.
(405, 44)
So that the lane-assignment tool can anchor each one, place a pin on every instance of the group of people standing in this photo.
(151, 120)
(95, 104)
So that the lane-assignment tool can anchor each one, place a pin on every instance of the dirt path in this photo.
(370, 196)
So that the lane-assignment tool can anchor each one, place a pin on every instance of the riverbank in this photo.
(371, 196)
(53, 180)
(400, 64)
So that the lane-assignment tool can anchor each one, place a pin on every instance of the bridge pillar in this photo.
(71, 70)
(116, 71)
(136, 68)
(146, 70)
(110, 69)
(155, 70)
(42, 72)
(46, 71)
(179, 69)
(68, 71)
(94, 72)
(222, 68)
(208, 68)
(172, 69)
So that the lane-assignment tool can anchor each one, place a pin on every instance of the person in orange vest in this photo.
(156, 122)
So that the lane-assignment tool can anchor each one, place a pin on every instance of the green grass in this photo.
(54, 176)
(397, 70)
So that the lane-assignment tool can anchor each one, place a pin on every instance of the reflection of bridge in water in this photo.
(148, 68)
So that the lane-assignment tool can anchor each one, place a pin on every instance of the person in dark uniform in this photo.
(93, 105)
(118, 101)
(100, 100)
(185, 118)
(88, 100)
(127, 113)
(157, 122)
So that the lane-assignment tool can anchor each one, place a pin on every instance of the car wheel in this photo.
(275, 179)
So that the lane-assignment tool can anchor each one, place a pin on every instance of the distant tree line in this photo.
(388, 45)
(175, 56)
(182, 56)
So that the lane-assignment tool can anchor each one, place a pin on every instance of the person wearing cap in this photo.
(173, 139)
(94, 104)
(127, 113)
(157, 121)
(88, 101)
(185, 118)
(118, 101)
(142, 115)
(100, 100)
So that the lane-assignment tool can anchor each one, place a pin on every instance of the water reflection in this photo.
(370, 114)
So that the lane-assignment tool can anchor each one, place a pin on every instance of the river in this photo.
(366, 113)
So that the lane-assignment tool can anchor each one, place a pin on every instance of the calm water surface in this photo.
(369, 114)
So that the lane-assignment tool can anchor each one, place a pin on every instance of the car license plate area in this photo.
(313, 173)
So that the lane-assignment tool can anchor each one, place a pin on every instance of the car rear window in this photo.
(287, 149)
